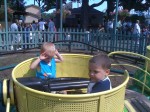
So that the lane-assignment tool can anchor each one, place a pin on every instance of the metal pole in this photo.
(6, 22)
(114, 27)
(116, 16)
(61, 17)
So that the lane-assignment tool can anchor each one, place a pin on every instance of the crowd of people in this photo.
(126, 27)
(29, 29)
(41, 25)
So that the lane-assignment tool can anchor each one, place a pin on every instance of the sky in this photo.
(75, 5)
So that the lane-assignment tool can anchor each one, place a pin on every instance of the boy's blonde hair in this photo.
(101, 60)
(48, 46)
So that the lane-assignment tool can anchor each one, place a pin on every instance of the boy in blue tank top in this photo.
(99, 69)
(45, 64)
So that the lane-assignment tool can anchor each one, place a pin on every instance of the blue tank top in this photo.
(47, 68)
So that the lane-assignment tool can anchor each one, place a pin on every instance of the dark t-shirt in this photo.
(101, 86)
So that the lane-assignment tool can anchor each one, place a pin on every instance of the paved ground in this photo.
(8, 60)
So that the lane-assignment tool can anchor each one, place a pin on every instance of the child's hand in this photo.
(56, 52)
(62, 92)
(43, 56)
(58, 57)
(45, 75)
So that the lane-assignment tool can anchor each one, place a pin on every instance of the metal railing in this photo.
(143, 74)
(74, 39)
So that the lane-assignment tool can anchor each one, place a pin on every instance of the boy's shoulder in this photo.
(102, 85)
(106, 81)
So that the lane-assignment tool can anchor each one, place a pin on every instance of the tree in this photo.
(135, 4)
(13, 5)
(2, 13)
(17, 5)
(46, 5)
(138, 5)
(84, 10)
(127, 4)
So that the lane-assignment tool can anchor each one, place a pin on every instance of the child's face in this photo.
(97, 73)
(49, 53)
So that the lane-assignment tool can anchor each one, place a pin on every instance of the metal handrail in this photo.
(8, 105)
(145, 71)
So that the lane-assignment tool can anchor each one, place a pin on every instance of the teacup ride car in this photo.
(29, 94)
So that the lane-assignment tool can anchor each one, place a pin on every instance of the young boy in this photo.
(99, 68)
(45, 64)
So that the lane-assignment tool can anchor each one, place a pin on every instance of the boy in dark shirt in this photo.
(99, 69)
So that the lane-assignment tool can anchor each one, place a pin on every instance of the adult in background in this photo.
(100, 35)
(1, 35)
(137, 31)
(42, 27)
(52, 29)
(26, 37)
(101, 28)
(34, 28)
(14, 28)
(119, 25)
(138, 40)
(110, 26)
(124, 27)
(19, 35)
(129, 27)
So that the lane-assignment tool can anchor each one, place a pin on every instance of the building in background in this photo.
(33, 13)
(74, 20)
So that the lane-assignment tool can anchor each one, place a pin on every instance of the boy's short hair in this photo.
(101, 60)
(48, 46)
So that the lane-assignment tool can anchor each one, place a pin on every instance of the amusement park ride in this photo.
(26, 93)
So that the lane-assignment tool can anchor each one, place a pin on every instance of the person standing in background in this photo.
(137, 31)
(42, 28)
(52, 29)
(41, 25)
(1, 35)
(14, 28)
(34, 28)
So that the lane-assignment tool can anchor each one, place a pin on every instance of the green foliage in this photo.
(136, 17)
(17, 5)
(135, 4)
(123, 14)
(46, 5)
(1, 2)
(2, 13)
(47, 16)
(128, 4)
(13, 5)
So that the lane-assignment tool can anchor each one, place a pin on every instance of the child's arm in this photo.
(35, 64)
(58, 58)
